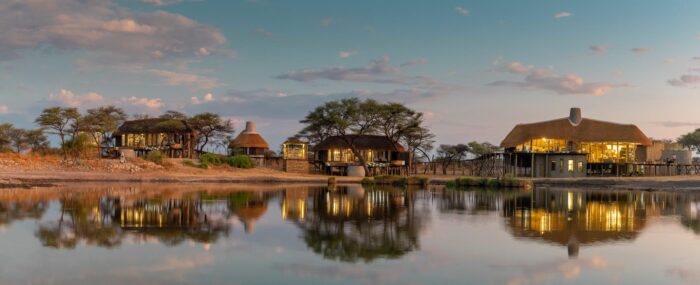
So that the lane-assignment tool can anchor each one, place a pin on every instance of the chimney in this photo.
(575, 116)
(249, 127)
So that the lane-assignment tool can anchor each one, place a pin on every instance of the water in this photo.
(146, 234)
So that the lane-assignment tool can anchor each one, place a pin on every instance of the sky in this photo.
(474, 68)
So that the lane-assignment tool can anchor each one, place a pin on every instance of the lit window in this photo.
(561, 165)
(580, 166)
(571, 165)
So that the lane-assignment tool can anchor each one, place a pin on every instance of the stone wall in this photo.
(296, 166)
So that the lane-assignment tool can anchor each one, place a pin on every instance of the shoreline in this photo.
(47, 178)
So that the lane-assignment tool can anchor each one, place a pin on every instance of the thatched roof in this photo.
(587, 130)
(249, 140)
(152, 126)
(361, 142)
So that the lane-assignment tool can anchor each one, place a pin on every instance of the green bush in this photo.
(452, 184)
(240, 161)
(367, 181)
(156, 157)
(210, 159)
(418, 180)
(493, 183)
(465, 182)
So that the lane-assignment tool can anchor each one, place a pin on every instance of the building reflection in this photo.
(352, 224)
(576, 219)
(106, 220)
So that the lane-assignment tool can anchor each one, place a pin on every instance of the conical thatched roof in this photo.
(576, 130)
(249, 138)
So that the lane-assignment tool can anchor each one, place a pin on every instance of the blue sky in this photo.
(475, 68)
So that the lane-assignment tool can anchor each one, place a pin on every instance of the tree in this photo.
(353, 116)
(58, 120)
(37, 141)
(343, 118)
(480, 149)
(5, 135)
(210, 127)
(447, 154)
(173, 115)
(691, 140)
(18, 139)
(419, 142)
(102, 122)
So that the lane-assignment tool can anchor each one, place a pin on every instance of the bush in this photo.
(188, 162)
(367, 181)
(331, 180)
(240, 161)
(210, 159)
(156, 157)
(78, 147)
(418, 180)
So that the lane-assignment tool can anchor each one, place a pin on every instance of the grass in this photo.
(492, 183)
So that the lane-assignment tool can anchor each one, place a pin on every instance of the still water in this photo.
(155, 234)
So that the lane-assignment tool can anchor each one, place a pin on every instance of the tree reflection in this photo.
(106, 221)
(352, 224)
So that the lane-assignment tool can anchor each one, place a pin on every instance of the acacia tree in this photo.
(102, 122)
(174, 115)
(691, 140)
(447, 154)
(37, 140)
(210, 127)
(352, 117)
(58, 121)
(344, 118)
(5, 135)
(420, 143)
(18, 138)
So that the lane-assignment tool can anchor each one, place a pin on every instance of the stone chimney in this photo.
(249, 127)
(575, 116)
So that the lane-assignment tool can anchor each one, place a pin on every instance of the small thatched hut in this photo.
(249, 142)
(174, 137)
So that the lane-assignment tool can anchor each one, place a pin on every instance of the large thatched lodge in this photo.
(333, 155)
(575, 146)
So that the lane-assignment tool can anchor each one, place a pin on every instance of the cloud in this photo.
(415, 61)
(537, 78)
(327, 22)
(379, 70)
(4, 109)
(346, 54)
(68, 99)
(676, 124)
(599, 49)
(685, 80)
(148, 103)
(264, 33)
(562, 15)
(640, 50)
(185, 78)
(461, 10)
(161, 2)
(101, 26)
(207, 98)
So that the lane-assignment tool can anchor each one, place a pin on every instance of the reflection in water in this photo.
(580, 218)
(348, 224)
(351, 223)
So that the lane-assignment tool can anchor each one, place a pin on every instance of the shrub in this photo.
(451, 184)
(156, 157)
(240, 161)
(331, 180)
(493, 183)
(210, 159)
(418, 180)
(77, 147)
(465, 182)
(188, 162)
(367, 181)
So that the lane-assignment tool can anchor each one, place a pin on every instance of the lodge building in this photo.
(574, 147)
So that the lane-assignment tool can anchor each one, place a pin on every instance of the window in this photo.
(561, 165)
(570, 165)
(336, 155)
(580, 166)
(554, 165)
